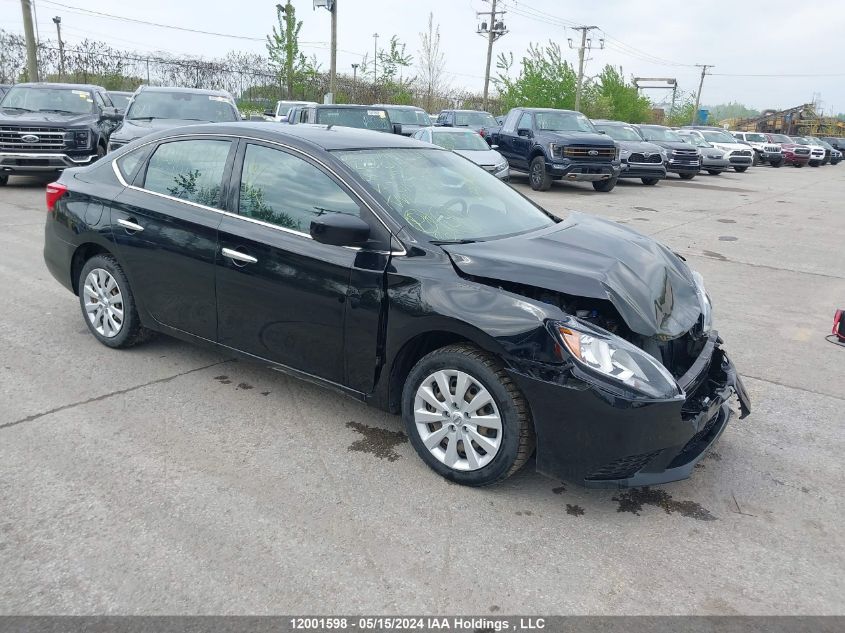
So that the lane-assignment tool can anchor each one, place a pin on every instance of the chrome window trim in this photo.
(296, 150)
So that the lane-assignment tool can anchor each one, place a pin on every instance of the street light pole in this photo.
(355, 82)
(333, 62)
(375, 65)
(58, 22)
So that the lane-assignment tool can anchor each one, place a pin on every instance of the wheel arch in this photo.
(82, 254)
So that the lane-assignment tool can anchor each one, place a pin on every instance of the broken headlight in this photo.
(703, 302)
(616, 359)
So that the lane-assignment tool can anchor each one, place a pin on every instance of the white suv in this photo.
(740, 155)
(764, 150)
(280, 112)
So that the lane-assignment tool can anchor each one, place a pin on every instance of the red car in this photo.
(793, 153)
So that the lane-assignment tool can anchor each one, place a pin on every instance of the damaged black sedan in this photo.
(407, 277)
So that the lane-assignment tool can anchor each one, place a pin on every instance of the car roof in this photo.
(349, 106)
(48, 84)
(171, 89)
(459, 110)
(303, 135)
(398, 107)
(609, 122)
(550, 110)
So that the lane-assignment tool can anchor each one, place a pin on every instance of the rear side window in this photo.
(128, 163)
(287, 191)
(190, 170)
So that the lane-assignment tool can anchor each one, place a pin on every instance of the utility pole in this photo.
(355, 82)
(704, 68)
(585, 45)
(58, 22)
(492, 30)
(375, 65)
(331, 6)
(31, 49)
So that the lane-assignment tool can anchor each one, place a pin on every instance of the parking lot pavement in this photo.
(170, 479)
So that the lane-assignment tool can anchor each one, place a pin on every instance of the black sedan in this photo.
(405, 276)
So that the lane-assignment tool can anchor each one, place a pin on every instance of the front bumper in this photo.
(741, 161)
(715, 163)
(770, 157)
(792, 159)
(599, 439)
(683, 166)
(582, 170)
(642, 170)
(35, 163)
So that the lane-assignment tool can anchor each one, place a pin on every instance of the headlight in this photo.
(556, 150)
(624, 153)
(78, 138)
(664, 153)
(703, 302)
(501, 166)
(616, 359)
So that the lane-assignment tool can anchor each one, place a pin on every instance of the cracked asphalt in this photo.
(170, 479)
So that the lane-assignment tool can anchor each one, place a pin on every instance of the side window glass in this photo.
(98, 99)
(190, 170)
(284, 190)
(510, 122)
(128, 163)
(525, 121)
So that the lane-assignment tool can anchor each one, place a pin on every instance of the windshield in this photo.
(781, 138)
(460, 140)
(476, 119)
(443, 195)
(660, 134)
(120, 101)
(717, 137)
(186, 106)
(49, 99)
(408, 116)
(696, 140)
(563, 122)
(755, 138)
(802, 140)
(364, 118)
(620, 132)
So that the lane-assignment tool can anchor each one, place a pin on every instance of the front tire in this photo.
(776, 163)
(539, 179)
(814, 163)
(686, 176)
(4, 180)
(650, 181)
(714, 172)
(740, 169)
(107, 303)
(755, 159)
(465, 417)
(798, 165)
(605, 185)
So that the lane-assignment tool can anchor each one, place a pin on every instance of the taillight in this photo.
(839, 325)
(55, 190)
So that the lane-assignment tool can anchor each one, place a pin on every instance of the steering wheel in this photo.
(464, 207)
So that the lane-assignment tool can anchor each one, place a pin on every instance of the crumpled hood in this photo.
(586, 256)
(27, 118)
(130, 130)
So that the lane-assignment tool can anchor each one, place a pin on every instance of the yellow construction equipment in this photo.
(801, 120)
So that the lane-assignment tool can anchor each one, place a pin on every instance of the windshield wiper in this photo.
(59, 111)
(143, 118)
(17, 108)
(443, 242)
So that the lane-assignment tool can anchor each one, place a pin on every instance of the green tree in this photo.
(610, 96)
(545, 79)
(283, 48)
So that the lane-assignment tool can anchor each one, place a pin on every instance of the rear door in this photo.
(165, 228)
(282, 296)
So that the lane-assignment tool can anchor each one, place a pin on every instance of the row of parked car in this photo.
(48, 127)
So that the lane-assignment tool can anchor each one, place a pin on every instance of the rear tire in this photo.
(108, 305)
(755, 159)
(537, 176)
(714, 172)
(434, 418)
(798, 165)
(4, 180)
(605, 185)
(650, 181)
(740, 169)
(776, 163)
(686, 176)
(814, 163)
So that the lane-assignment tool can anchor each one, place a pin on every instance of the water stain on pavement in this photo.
(376, 441)
(714, 255)
(727, 238)
(726, 221)
(559, 490)
(646, 209)
(574, 510)
(223, 380)
(244, 385)
(634, 499)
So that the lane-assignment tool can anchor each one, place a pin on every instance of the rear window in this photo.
(184, 106)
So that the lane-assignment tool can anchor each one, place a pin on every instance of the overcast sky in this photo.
(797, 42)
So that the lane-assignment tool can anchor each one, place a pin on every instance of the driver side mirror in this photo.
(111, 114)
(524, 131)
(397, 128)
(269, 113)
(339, 229)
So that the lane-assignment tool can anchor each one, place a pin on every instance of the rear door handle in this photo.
(239, 256)
(130, 226)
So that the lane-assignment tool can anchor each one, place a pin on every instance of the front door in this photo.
(281, 295)
(165, 228)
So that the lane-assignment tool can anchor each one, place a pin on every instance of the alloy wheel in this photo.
(103, 302)
(536, 173)
(458, 420)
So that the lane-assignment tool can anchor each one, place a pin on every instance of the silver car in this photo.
(468, 144)
(713, 160)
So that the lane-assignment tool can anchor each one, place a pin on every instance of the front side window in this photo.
(525, 122)
(287, 191)
(184, 106)
(190, 170)
(510, 121)
(49, 99)
(443, 195)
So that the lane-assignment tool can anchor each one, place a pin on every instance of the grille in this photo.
(685, 155)
(801, 151)
(742, 152)
(642, 158)
(623, 468)
(772, 149)
(49, 138)
(589, 153)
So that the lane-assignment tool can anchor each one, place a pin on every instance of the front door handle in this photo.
(239, 256)
(129, 225)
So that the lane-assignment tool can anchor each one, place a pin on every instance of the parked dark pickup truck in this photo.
(47, 127)
(554, 144)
